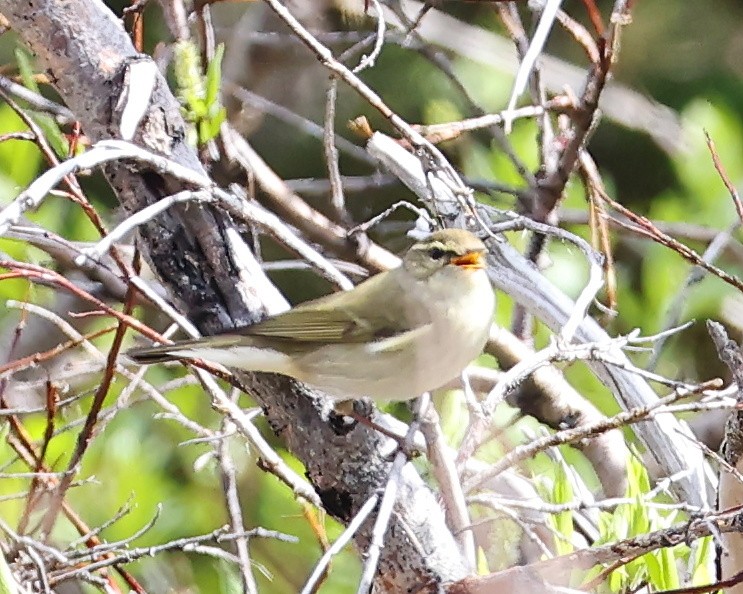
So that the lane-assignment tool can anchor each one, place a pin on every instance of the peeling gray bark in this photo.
(85, 49)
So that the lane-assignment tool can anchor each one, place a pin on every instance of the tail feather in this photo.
(172, 352)
(147, 356)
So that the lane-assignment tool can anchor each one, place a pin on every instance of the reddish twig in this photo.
(76, 193)
(645, 226)
(724, 176)
(86, 434)
(36, 358)
(45, 276)
(21, 442)
(594, 14)
(52, 397)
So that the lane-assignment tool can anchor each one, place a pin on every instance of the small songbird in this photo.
(396, 335)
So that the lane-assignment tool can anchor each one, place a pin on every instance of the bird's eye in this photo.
(436, 253)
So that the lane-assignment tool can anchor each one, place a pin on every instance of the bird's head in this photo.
(446, 248)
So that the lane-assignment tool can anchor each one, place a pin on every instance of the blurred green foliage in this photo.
(199, 91)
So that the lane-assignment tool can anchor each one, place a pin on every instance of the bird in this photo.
(398, 334)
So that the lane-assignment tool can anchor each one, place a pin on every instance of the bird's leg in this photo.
(340, 415)
(345, 414)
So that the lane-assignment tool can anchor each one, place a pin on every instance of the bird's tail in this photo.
(178, 350)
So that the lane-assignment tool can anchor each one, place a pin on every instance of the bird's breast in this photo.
(406, 365)
(463, 329)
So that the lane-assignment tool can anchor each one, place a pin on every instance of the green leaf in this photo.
(618, 579)
(563, 493)
(204, 130)
(482, 562)
(199, 94)
(640, 522)
(214, 76)
(654, 569)
(188, 77)
(198, 109)
(25, 69)
(229, 578)
(187, 67)
(702, 552)
(669, 569)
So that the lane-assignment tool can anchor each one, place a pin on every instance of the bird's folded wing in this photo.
(325, 326)
(402, 341)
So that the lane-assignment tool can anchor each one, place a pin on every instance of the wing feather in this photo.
(401, 341)
(342, 317)
(317, 325)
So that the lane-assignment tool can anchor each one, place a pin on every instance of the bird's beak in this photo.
(470, 260)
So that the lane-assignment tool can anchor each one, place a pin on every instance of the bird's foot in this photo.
(346, 414)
